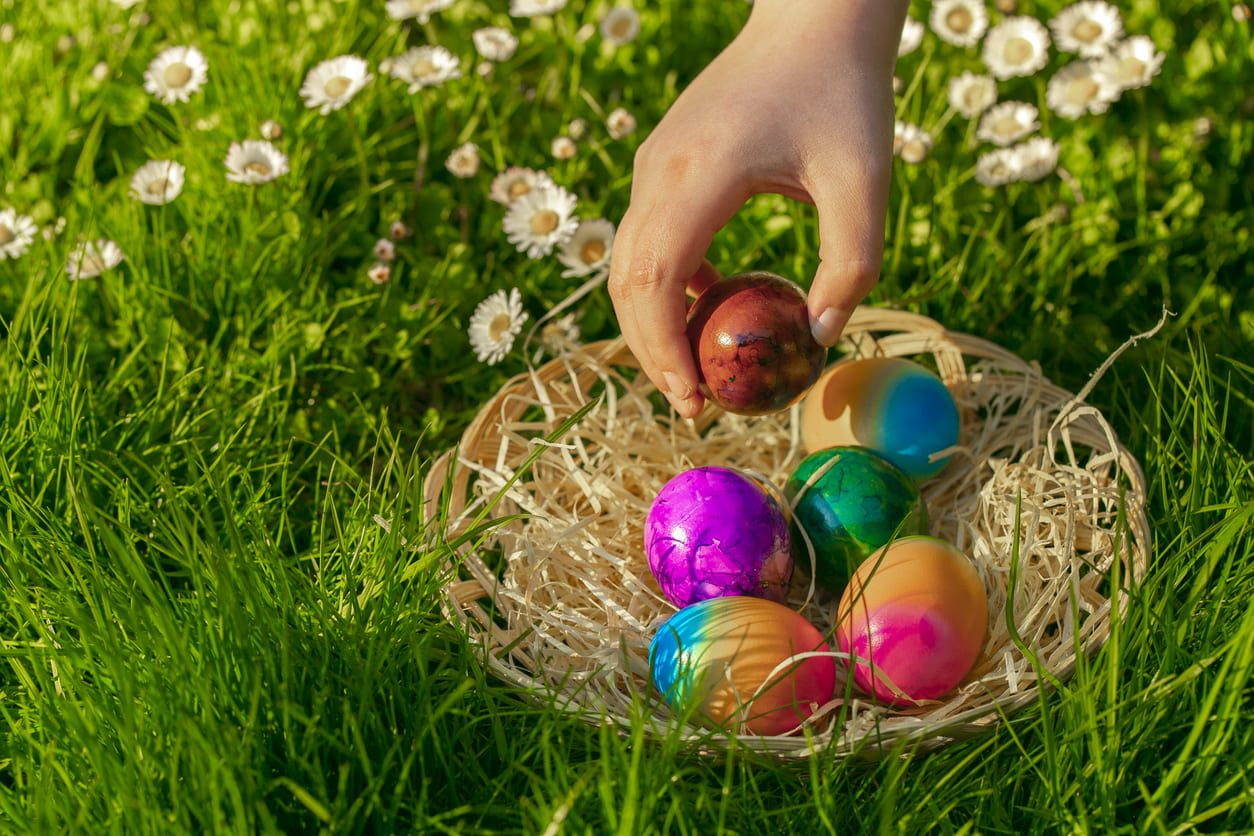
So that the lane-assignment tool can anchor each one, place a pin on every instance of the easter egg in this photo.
(895, 406)
(751, 337)
(731, 657)
(915, 615)
(712, 531)
(847, 502)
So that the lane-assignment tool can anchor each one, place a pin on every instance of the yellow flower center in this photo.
(592, 252)
(337, 87)
(1081, 91)
(1087, 31)
(177, 74)
(258, 167)
(6, 235)
(544, 222)
(1131, 68)
(959, 19)
(914, 151)
(424, 67)
(1007, 126)
(91, 263)
(158, 187)
(1017, 51)
(498, 326)
(621, 27)
(971, 97)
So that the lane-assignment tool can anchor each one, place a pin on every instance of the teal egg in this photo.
(847, 502)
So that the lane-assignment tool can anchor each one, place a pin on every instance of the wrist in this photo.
(869, 29)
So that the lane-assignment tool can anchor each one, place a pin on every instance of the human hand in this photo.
(800, 104)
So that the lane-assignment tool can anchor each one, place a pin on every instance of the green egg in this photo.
(847, 502)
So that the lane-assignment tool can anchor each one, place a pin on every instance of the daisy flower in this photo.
(998, 167)
(620, 25)
(1036, 158)
(564, 329)
(1017, 46)
(587, 251)
(91, 258)
(562, 147)
(971, 94)
(540, 220)
(126, 4)
(577, 129)
(464, 161)
(495, 324)
(175, 74)
(494, 43)
(384, 250)
(157, 182)
(911, 36)
(1132, 63)
(271, 130)
(331, 84)
(16, 234)
(379, 272)
(254, 161)
(417, 9)
(911, 143)
(532, 8)
(1078, 88)
(1007, 123)
(620, 123)
(959, 22)
(516, 181)
(399, 231)
(1089, 27)
(425, 66)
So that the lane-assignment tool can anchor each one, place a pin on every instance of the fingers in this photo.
(659, 251)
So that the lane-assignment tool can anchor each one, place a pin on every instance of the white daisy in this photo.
(532, 8)
(516, 181)
(1089, 27)
(399, 231)
(911, 143)
(384, 250)
(379, 272)
(157, 182)
(540, 220)
(620, 25)
(494, 43)
(425, 66)
(331, 84)
(254, 161)
(1132, 63)
(495, 325)
(418, 9)
(463, 162)
(1036, 158)
(91, 258)
(1078, 88)
(563, 330)
(1007, 123)
(126, 4)
(620, 123)
(997, 167)
(911, 36)
(175, 74)
(971, 94)
(577, 129)
(16, 234)
(271, 130)
(1017, 46)
(562, 147)
(587, 251)
(959, 22)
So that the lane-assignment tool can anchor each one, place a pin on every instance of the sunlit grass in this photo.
(195, 444)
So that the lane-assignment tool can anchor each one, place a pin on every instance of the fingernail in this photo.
(826, 327)
(675, 386)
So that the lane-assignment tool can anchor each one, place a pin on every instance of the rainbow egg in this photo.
(915, 616)
(846, 503)
(892, 405)
(712, 531)
(732, 660)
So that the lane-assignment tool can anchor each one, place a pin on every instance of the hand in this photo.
(800, 104)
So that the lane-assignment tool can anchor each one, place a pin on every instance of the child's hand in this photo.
(799, 104)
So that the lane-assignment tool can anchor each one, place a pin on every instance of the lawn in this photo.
(215, 381)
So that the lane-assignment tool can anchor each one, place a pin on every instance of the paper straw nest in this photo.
(563, 604)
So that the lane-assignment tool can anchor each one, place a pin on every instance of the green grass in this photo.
(194, 445)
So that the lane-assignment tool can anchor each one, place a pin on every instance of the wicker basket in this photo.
(1038, 491)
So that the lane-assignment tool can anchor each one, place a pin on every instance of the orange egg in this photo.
(915, 615)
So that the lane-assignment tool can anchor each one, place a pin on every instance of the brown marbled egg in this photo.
(751, 336)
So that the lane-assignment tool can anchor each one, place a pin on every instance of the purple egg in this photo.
(713, 532)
